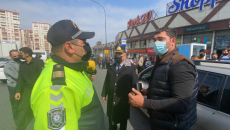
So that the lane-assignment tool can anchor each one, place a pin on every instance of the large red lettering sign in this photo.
(140, 19)
(151, 51)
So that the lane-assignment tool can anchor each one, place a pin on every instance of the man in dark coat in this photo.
(172, 93)
(121, 77)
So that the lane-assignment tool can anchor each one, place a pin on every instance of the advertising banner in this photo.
(221, 42)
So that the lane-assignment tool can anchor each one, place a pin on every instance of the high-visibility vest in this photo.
(48, 61)
(58, 97)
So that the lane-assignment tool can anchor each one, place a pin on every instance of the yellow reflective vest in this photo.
(59, 98)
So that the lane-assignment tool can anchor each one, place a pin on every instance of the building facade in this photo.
(40, 31)
(194, 22)
(28, 36)
(99, 49)
(9, 25)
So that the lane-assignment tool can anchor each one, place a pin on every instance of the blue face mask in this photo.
(160, 48)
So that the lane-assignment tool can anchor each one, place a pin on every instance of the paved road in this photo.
(137, 121)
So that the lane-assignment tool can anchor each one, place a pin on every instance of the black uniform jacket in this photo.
(118, 84)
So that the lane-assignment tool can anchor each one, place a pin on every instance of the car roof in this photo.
(215, 67)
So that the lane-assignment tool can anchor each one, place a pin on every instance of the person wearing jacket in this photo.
(172, 93)
(63, 97)
(140, 63)
(224, 57)
(147, 63)
(11, 70)
(121, 77)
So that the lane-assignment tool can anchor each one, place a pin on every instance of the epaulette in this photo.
(58, 75)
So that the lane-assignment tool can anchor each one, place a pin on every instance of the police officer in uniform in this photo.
(63, 97)
(121, 77)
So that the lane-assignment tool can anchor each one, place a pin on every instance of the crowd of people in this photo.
(224, 57)
(61, 95)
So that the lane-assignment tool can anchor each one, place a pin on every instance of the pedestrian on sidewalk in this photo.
(11, 70)
(140, 63)
(29, 71)
(121, 77)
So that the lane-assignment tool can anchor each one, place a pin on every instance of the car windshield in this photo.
(4, 59)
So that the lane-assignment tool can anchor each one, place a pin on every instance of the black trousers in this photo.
(140, 68)
(113, 126)
(14, 104)
(25, 114)
(103, 65)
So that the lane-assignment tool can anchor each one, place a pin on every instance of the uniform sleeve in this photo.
(104, 92)
(20, 81)
(10, 71)
(182, 82)
(134, 78)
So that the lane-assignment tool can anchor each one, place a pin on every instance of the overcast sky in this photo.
(88, 15)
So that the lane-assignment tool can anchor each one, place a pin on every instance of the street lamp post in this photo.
(105, 20)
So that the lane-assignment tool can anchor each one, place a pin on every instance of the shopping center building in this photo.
(194, 22)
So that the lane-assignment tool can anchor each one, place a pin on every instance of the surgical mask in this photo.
(214, 58)
(202, 55)
(160, 48)
(88, 51)
(118, 59)
(17, 59)
(225, 54)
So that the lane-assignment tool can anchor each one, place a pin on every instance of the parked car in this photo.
(213, 100)
(3, 62)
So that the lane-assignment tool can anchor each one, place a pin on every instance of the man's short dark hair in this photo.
(26, 50)
(224, 49)
(12, 51)
(228, 46)
(203, 50)
(169, 31)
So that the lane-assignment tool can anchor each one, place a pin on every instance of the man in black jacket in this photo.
(121, 77)
(172, 93)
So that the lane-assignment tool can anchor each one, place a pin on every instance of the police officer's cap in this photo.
(120, 49)
(66, 30)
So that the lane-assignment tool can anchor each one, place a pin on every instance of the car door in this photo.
(208, 95)
(144, 78)
(220, 120)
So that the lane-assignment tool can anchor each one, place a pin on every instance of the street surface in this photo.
(137, 121)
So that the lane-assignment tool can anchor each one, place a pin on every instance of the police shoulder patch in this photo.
(56, 118)
(58, 75)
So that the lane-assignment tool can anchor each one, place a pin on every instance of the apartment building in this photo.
(9, 26)
(28, 34)
(39, 36)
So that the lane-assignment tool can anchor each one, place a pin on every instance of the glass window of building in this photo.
(143, 44)
(187, 39)
(222, 40)
(178, 40)
(134, 44)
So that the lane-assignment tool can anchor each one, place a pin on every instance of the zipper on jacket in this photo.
(175, 120)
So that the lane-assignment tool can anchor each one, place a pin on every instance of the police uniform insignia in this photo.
(58, 66)
(136, 71)
(56, 118)
(58, 76)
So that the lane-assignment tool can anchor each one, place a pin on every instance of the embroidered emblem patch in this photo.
(56, 118)
(136, 71)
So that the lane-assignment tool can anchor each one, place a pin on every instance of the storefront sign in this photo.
(221, 42)
(151, 51)
(141, 37)
(140, 19)
(197, 28)
(136, 51)
(187, 4)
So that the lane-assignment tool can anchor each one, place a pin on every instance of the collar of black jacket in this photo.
(80, 66)
(167, 55)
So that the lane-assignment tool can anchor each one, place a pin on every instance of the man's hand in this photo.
(144, 91)
(17, 96)
(92, 77)
(104, 99)
(136, 100)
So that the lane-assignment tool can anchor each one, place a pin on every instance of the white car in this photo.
(213, 100)
(3, 62)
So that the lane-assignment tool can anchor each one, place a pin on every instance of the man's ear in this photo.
(173, 41)
(69, 47)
